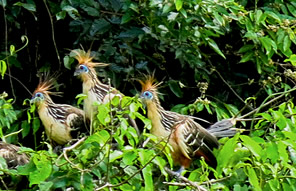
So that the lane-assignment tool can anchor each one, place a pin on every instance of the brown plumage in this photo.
(10, 153)
(96, 91)
(61, 121)
(188, 139)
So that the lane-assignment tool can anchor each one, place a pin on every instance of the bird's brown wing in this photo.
(75, 119)
(194, 140)
(10, 153)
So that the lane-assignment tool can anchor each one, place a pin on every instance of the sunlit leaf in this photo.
(179, 4)
(253, 146)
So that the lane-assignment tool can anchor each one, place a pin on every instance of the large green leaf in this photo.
(252, 145)
(215, 47)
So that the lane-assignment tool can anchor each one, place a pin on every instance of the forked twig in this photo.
(67, 149)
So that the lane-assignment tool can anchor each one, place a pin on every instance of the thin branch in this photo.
(138, 171)
(111, 13)
(13, 133)
(194, 184)
(19, 82)
(264, 103)
(67, 149)
(4, 184)
(229, 86)
(6, 51)
(52, 34)
(202, 183)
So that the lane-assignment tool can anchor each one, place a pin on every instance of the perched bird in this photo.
(187, 138)
(10, 153)
(62, 122)
(96, 91)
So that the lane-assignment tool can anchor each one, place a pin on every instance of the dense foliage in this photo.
(217, 59)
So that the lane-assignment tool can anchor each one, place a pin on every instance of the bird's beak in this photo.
(77, 73)
(32, 100)
(142, 100)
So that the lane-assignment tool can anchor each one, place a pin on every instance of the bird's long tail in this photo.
(223, 128)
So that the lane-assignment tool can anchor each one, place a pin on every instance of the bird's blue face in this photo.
(37, 97)
(81, 69)
(147, 95)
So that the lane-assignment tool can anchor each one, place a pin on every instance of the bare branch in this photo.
(194, 184)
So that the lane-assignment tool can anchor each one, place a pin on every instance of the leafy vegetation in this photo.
(217, 59)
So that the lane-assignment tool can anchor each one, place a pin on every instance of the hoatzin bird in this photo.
(187, 138)
(62, 122)
(96, 91)
(10, 153)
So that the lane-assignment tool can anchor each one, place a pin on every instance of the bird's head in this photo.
(85, 68)
(149, 91)
(37, 97)
(42, 92)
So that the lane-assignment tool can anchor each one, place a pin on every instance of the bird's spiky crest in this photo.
(86, 59)
(47, 83)
(149, 83)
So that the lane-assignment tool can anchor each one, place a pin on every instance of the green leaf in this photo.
(80, 97)
(126, 18)
(215, 47)
(99, 26)
(287, 43)
(68, 61)
(115, 155)
(129, 157)
(29, 7)
(272, 152)
(103, 114)
(281, 119)
(148, 180)
(3, 165)
(73, 12)
(61, 15)
(45, 186)
(115, 101)
(219, 19)
(292, 59)
(12, 49)
(291, 9)
(26, 128)
(35, 125)
(246, 48)
(252, 145)
(3, 3)
(253, 178)
(175, 88)
(179, 4)
(273, 16)
(283, 153)
(3, 68)
(226, 153)
(258, 16)
(268, 44)
(43, 169)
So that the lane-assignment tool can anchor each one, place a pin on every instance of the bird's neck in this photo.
(155, 114)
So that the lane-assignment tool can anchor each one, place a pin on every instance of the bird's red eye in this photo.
(81, 67)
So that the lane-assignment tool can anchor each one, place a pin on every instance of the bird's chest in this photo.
(90, 102)
(54, 129)
(157, 127)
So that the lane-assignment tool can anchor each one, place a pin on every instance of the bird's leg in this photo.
(178, 173)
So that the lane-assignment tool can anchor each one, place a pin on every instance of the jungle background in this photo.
(217, 60)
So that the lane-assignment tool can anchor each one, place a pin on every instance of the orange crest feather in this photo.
(86, 59)
(149, 83)
(47, 83)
